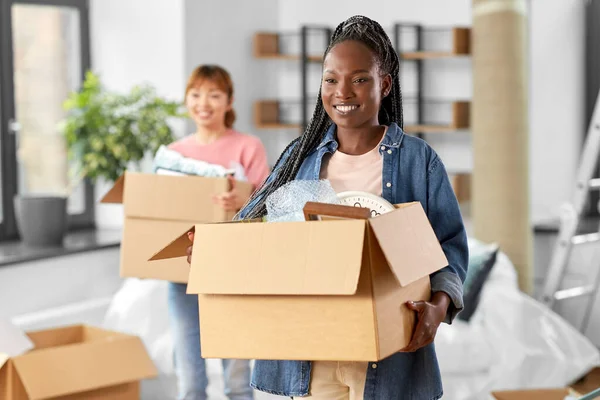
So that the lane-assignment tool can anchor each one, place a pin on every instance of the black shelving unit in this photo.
(418, 62)
(267, 46)
(418, 55)
(304, 32)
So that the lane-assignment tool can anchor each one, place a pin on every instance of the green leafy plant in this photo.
(105, 131)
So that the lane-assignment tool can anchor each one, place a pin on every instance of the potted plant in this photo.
(105, 133)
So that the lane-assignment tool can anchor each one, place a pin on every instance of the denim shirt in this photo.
(412, 171)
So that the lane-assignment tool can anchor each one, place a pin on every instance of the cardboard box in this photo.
(158, 207)
(76, 362)
(534, 394)
(588, 383)
(582, 387)
(314, 290)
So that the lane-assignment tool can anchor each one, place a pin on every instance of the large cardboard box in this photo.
(314, 290)
(158, 207)
(76, 362)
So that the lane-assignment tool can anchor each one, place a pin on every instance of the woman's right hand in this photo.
(189, 249)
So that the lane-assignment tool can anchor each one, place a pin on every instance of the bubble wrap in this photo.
(287, 202)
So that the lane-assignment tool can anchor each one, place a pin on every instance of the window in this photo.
(45, 53)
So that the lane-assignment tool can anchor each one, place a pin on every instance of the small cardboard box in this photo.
(582, 387)
(76, 362)
(533, 394)
(311, 290)
(158, 207)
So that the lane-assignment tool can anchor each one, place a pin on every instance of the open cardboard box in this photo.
(158, 207)
(311, 290)
(533, 394)
(72, 363)
(585, 387)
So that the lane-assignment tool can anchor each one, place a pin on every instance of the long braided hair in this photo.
(371, 34)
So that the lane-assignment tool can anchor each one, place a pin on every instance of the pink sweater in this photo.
(233, 146)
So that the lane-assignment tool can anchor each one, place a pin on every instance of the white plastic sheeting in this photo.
(140, 308)
(511, 342)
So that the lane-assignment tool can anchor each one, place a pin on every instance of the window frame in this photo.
(8, 139)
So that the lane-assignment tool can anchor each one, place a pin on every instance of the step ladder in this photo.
(568, 235)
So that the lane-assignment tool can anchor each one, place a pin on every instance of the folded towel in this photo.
(170, 162)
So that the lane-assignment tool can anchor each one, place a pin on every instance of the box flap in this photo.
(3, 359)
(535, 394)
(409, 243)
(13, 341)
(55, 337)
(115, 194)
(75, 368)
(278, 258)
(141, 239)
(177, 248)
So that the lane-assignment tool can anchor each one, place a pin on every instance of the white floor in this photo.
(165, 388)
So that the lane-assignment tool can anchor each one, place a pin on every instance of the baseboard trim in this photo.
(86, 312)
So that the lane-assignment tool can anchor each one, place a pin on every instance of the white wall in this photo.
(75, 288)
(137, 41)
(134, 42)
(208, 40)
(557, 79)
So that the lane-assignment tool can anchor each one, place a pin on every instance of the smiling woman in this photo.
(353, 86)
(209, 101)
(355, 140)
(209, 97)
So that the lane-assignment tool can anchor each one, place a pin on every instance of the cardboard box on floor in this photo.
(533, 394)
(314, 290)
(158, 207)
(587, 384)
(76, 362)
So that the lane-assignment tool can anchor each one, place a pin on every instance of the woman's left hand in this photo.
(430, 314)
(231, 200)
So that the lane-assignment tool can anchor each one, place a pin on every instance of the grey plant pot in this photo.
(41, 220)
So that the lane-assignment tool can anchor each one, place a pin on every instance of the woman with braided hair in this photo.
(355, 140)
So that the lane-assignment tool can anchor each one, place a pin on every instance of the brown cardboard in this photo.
(158, 207)
(534, 394)
(75, 363)
(588, 383)
(315, 290)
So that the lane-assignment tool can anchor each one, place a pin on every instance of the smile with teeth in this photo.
(203, 114)
(346, 108)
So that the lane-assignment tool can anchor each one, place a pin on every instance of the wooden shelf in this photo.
(428, 128)
(277, 126)
(460, 120)
(266, 116)
(428, 55)
(266, 46)
(461, 46)
(461, 183)
(288, 57)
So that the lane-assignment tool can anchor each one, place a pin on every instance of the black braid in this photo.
(370, 33)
